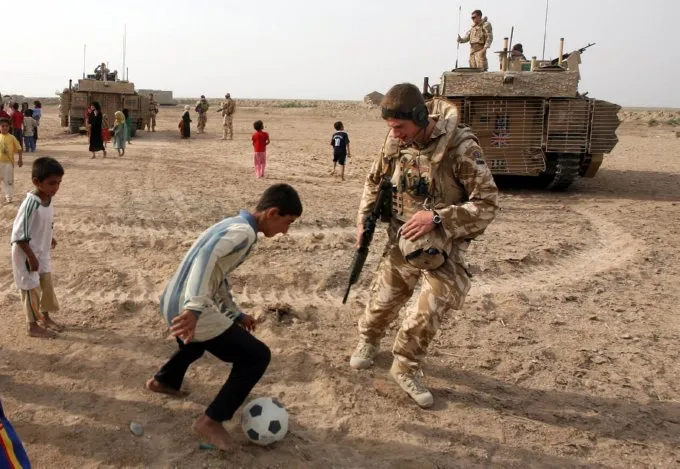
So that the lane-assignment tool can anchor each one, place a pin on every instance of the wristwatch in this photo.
(436, 218)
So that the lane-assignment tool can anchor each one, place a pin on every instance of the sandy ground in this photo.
(565, 355)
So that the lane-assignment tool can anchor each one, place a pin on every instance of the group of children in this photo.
(197, 303)
(23, 123)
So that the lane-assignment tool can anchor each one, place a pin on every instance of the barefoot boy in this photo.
(340, 144)
(32, 239)
(200, 311)
(9, 146)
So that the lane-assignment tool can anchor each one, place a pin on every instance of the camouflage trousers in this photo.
(478, 57)
(442, 289)
(202, 120)
(152, 122)
(228, 127)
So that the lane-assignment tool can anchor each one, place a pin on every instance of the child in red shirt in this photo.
(17, 119)
(260, 142)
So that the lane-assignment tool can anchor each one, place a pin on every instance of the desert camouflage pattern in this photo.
(227, 108)
(480, 37)
(153, 110)
(460, 188)
(202, 106)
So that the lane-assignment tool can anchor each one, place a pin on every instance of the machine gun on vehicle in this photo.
(381, 210)
(565, 56)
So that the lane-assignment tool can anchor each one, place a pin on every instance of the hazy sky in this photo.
(333, 49)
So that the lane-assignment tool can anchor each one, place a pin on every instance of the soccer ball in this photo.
(264, 421)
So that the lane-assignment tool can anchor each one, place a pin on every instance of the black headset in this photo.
(418, 114)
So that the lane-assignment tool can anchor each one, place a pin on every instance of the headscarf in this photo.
(187, 108)
(120, 118)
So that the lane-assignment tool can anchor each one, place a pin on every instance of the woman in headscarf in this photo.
(120, 133)
(185, 123)
(128, 122)
(95, 121)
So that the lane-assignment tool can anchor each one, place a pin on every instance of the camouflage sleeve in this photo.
(489, 34)
(466, 37)
(470, 219)
(371, 187)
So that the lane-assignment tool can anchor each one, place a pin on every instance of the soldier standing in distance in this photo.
(227, 109)
(153, 110)
(202, 110)
(480, 37)
(444, 196)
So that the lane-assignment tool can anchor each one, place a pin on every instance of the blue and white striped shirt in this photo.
(200, 283)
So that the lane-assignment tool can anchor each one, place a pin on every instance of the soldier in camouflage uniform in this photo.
(480, 37)
(227, 109)
(153, 110)
(444, 195)
(202, 110)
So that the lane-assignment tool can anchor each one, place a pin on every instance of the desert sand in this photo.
(565, 354)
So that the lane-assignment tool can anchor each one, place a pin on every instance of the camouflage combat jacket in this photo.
(227, 107)
(448, 175)
(481, 34)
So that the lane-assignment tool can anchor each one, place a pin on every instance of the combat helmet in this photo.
(428, 252)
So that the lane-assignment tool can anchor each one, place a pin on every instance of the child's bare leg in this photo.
(213, 432)
(50, 323)
(34, 330)
(342, 172)
(333, 170)
(93, 155)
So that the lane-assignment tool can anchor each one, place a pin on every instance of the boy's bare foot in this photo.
(50, 324)
(214, 433)
(155, 386)
(34, 330)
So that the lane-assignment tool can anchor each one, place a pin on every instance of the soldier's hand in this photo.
(419, 224)
(459, 39)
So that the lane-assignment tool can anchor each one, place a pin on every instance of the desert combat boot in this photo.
(410, 382)
(363, 355)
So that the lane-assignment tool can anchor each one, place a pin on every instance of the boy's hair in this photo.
(403, 98)
(283, 197)
(4, 120)
(28, 113)
(258, 125)
(37, 104)
(15, 106)
(45, 167)
(338, 125)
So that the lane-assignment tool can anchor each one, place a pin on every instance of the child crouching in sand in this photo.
(202, 315)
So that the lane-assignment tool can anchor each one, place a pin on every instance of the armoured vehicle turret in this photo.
(531, 119)
(112, 95)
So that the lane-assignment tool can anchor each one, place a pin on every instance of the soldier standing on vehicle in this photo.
(153, 110)
(444, 196)
(202, 110)
(480, 37)
(227, 109)
(517, 52)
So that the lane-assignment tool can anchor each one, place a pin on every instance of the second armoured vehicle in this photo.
(530, 118)
(112, 96)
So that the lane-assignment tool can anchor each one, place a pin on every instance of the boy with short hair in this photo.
(32, 239)
(202, 315)
(9, 146)
(341, 151)
(17, 120)
(29, 131)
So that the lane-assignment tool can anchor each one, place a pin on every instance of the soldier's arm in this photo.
(371, 187)
(466, 38)
(489, 34)
(470, 219)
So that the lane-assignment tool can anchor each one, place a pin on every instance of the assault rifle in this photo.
(381, 210)
(565, 56)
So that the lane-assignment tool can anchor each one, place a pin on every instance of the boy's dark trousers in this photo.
(19, 134)
(248, 355)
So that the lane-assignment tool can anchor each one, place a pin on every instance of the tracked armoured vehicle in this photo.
(112, 96)
(530, 118)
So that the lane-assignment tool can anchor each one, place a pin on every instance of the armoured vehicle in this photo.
(112, 96)
(530, 118)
